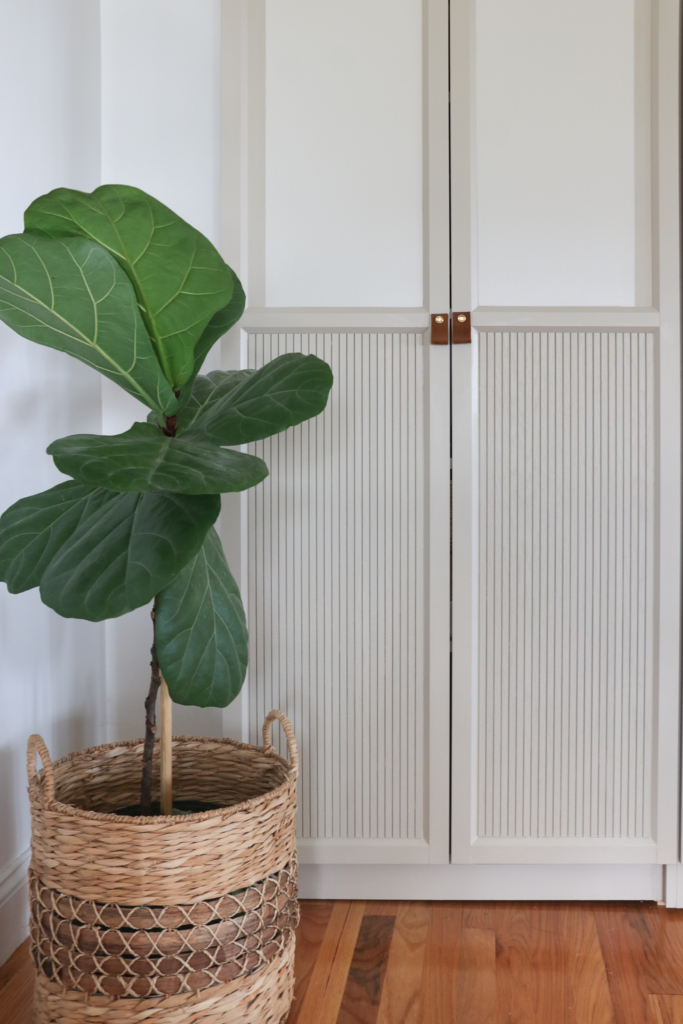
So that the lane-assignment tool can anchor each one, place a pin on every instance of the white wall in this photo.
(50, 668)
(92, 101)
(160, 132)
(344, 153)
(161, 103)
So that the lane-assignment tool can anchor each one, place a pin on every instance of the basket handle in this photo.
(289, 733)
(36, 745)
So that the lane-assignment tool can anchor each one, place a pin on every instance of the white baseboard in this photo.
(481, 881)
(363, 851)
(13, 905)
(673, 885)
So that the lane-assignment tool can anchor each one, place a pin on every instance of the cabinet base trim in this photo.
(481, 882)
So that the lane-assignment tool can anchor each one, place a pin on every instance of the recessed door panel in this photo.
(343, 153)
(560, 93)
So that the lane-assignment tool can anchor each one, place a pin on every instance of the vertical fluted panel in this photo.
(566, 584)
(336, 586)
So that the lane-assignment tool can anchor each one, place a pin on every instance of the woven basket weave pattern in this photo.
(162, 962)
(103, 856)
(110, 930)
(191, 910)
(261, 998)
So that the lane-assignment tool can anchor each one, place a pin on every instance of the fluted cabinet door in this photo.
(566, 684)
(337, 599)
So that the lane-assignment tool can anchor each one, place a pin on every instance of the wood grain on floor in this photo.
(16, 988)
(363, 989)
(467, 963)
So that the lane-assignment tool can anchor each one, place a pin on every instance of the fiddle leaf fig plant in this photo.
(119, 281)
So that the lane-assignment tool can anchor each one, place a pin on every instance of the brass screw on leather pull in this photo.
(438, 319)
(462, 318)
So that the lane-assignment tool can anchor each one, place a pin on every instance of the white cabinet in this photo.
(544, 760)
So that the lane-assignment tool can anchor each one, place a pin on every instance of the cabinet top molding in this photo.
(564, 316)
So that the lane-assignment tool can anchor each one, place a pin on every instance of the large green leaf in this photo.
(220, 324)
(201, 632)
(125, 552)
(34, 529)
(206, 391)
(246, 405)
(144, 459)
(179, 277)
(70, 294)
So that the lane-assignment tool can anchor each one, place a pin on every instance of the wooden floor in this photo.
(467, 963)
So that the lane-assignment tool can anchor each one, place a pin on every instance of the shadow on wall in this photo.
(11, 783)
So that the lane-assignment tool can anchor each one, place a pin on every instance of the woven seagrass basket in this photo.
(166, 920)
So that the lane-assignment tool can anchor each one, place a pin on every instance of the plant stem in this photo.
(170, 427)
(150, 729)
(166, 744)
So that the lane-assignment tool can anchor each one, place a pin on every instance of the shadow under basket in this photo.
(165, 919)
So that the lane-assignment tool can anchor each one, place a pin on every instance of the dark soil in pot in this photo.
(179, 807)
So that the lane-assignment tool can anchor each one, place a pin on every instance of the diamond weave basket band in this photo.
(178, 918)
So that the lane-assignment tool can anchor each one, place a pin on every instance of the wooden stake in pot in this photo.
(166, 750)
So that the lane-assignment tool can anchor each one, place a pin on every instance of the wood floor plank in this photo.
(484, 915)
(663, 947)
(516, 981)
(440, 974)
(320, 973)
(665, 1009)
(535, 958)
(654, 1014)
(476, 995)
(549, 965)
(326, 986)
(587, 975)
(16, 996)
(557, 942)
(363, 990)
(379, 907)
(401, 1001)
(19, 957)
(315, 916)
(629, 935)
